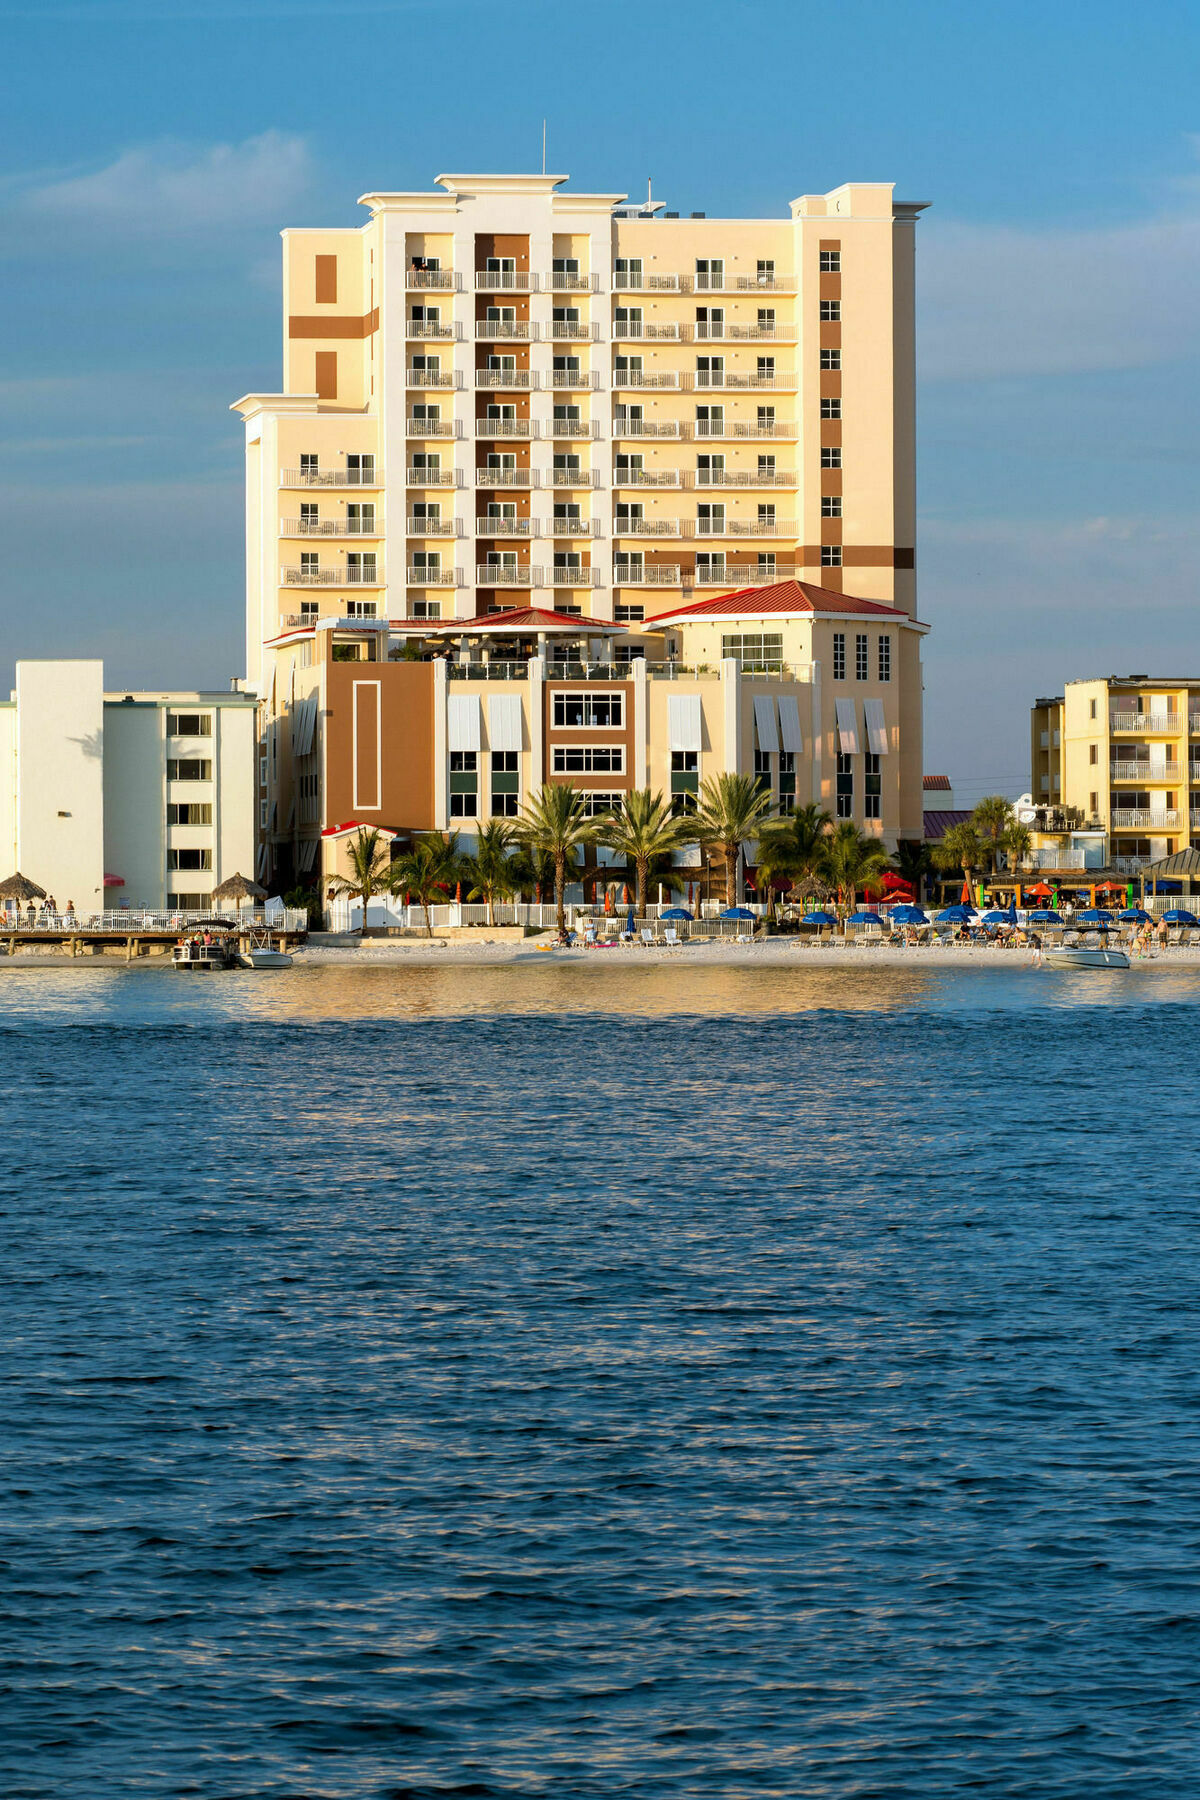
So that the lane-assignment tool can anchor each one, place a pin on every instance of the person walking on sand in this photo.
(1163, 934)
(1035, 942)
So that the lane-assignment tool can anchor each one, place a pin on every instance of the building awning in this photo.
(847, 727)
(525, 621)
(114, 881)
(764, 724)
(790, 734)
(350, 826)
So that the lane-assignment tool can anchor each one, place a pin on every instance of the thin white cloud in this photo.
(167, 188)
(1010, 301)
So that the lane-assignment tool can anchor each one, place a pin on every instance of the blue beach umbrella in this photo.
(819, 918)
(997, 918)
(1179, 915)
(629, 922)
(956, 915)
(1044, 915)
(1135, 915)
(863, 918)
(676, 912)
(909, 915)
(1094, 916)
(737, 912)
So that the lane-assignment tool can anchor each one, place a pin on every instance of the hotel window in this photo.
(464, 784)
(426, 609)
(425, 413)
(189, 768)
(831, 359)
(564, 560)
(758, 652)
(598, 710)
(831, 311)
(426, 564)
(765, 370)
(425, 462)
(627, 565)
(710, 471)
(766, 563)
(787, 781)
(766, 321)
(831, 556)
(872, 786)
(189, 859)
(831, 456)
(710, 371)
(765, 416)
(189, 812)
(762, 772)
(566, 415)
(710, 421)
(629, 271)
(710, 274)
(565, 265)
(1093, 753)
(766, 269)
(710, 322)
(685, 781)
(831, 506)
(861, 664)
(831, 262)
(310, 516)
(193, 902)
(766, 466)
(831, 407)
(628, 615)
(310, 464)
(628, 469)
(566, 514)
(310, 563)
(565, 315)
(360, 470)
(360, 566)
(766, 514)
(180, 724)
(839, 656)
(506, 783)
(360, 518)
(885, 658)
(628, 322)
(596, 802)
(1094, 809)
(845, 786)
(588, 759)
(710, 518)
(710, 566)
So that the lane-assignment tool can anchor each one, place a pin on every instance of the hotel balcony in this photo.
(646, 428)
(707, 379)
(580, 332)
(494, 331)
(507, 575)
(432, 478)
(560, 577)
(1157, 724)
(573, 527)
(643, 378)
(329, 478)
(445, 280)
(443, 528)
(487, 526)
(765, 284)
(640, 332)
(416, 575)
(308, 528)
(424, 328)
(635, 575)
(785, 528)
(742, 428)
(742, 478)
(575, 478)
(506, 428)
(575, 378)
(1168, 773)
(755, 334)
(574, 428)
(1128, 818)
(433, 378)
(511, 379)
(508, 281)
(432, 427)
(645, 527)
(560, 283)
(647, 478)
(506, 478)
(351, 575)
(642, 283)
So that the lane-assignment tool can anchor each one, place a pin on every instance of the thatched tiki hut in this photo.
(18, 887)
(239, 889)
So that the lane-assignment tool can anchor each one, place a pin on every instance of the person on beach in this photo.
(1035, 942)
(1163, 934)
(70, 917)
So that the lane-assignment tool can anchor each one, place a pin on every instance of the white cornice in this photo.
(251, 404)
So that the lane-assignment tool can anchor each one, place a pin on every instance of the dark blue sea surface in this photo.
(556, 1381)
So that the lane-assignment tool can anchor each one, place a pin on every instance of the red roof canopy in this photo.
(783, 597)
(527, 620)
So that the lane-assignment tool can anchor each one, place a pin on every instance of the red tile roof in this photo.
(519, 619)
(780, 597)
(936, 784)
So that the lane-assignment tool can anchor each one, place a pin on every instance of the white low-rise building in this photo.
(106, 800)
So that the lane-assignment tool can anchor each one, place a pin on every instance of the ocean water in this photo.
(555, 1381)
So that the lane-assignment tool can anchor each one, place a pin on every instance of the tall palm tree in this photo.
(732, 809)
(432, 865)
(855, 860)
(913, 863)
(1017, 843)
(797, 845)
(490, 870)
(554, 822)
(960, 849)
(991, 819)
(642, 829)
(776, 860)
(370, 869)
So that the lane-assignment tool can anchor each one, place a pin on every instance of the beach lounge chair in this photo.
(647, 936)
(671, 937)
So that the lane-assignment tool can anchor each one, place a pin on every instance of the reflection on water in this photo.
(331, 991)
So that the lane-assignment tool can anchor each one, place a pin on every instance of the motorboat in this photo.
(262, 957)
(1081, 957)
(192, 955)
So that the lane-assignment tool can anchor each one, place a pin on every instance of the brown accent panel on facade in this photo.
(874, 556)
(831, 384)
(488, 243)
(326, 378)
(301, 325)
(366, 774)
(518, 302)
(326, 280)
(831, 432)
(829, 287)
(831, 334)
(829, 243)
(831, 531)
(831, 481)
(406, 751)
(518, 351)
(623, 735)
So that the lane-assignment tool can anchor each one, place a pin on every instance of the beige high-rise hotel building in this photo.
(508, 408)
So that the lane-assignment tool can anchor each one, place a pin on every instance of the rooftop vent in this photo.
(699, 215)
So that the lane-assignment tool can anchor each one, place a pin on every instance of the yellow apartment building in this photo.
(1123, 752)
(500, 396)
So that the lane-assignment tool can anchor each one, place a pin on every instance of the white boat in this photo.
(264, 959)
(1080, 958)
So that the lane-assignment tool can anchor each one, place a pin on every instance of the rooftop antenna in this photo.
(543, 146)
(649, 195)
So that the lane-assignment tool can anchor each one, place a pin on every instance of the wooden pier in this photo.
(130, 945)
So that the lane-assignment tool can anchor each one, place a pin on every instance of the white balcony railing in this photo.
(509, 281)
(575, 378)
(487, 526)
(742, 478)
(493, 331)
(573, 527)
(508, 575)
(426, 328)
(637, 575)
(645, 428)
(560, 283)
(417, 575)
(765, 284)
(432, 477)
(577, 331)
(308, 528)
(1142, 771)
(447, 428)
(645, 378)
(433, 378)
(349, 575)
(574, 428)
(506, 428)
(638, 330)
(647, 478)
(643, 283)
(1132, 818)
(645, 527)
(706, 379)
(443, 528)
(329, 478)
(1151, 722)
(445, 280)
(560, 577)
(574, 478)
(505, 378)
(506, 478)
(785, 528)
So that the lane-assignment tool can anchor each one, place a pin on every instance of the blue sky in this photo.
(150, 153)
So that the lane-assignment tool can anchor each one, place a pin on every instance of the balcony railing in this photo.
(645, 428)
(1129, 865)
(417, 575)
(762, 334)
(365, 616)
(571, 284)
(577, 332)
(351, 575)
(785, 528)
(491, 331)
(486, 671)
(329, 528)
(421, 527)
(426, 328)
(643, 283)
(432, 427)
(433, 378)
(574, 478)
(508, 575)
(647, 478)
(1132, 818)
(509, 281)
(712, 575)
(707, 379)
(645, 527)
(444, 279)
(575, 378)
(487, 526)
(573, 527)
(574, 428)
(505, 378)
(506, 478)
(1142, 771)
(560, 577)
(636, 575)
(329, 478)
(644, 378)
(745, 428)
(506, 428)
(741, 478)
(432, 478)
(639, 330)
(1151, 722)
